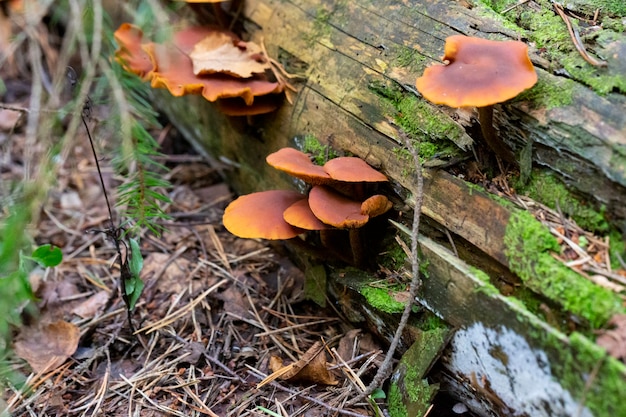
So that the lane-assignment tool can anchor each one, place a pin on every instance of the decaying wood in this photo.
(342, 49)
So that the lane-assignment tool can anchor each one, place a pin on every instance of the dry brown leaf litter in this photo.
(214, 311)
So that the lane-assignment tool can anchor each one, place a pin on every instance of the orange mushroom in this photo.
(297, 164)
(342, 212)
(479, 73)
(130, 53)
(169, 66)
(325, 206)
(260, 215)
(352, 169)
(299, 214)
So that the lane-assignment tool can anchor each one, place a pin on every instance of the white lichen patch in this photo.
(515, 377)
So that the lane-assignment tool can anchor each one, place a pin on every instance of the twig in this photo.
(519, 3)
(385, 367)
(578, 43)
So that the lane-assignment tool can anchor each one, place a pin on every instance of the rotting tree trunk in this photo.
(353, 55)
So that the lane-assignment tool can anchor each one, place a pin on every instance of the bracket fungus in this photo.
(479, 73)
(213, 63)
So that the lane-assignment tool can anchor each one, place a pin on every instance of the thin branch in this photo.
(385, 368)
(578, 43)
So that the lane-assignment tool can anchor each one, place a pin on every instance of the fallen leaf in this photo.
(172, 279)
(614, 340)
(46, 346)
(312, 367)
(234, 301)
(346, 348)
(175, 73)
(217, 53)
(9, 119)
(92, 305)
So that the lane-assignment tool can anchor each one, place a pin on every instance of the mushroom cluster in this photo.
(336, 200)
(213, 63)
(479, 73)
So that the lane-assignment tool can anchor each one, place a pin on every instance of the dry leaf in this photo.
(312, 367)
(347, 344)
(218, 53)
(9, 119)
(46, 346)
(614, 340)
(92, 305)
(234, 301)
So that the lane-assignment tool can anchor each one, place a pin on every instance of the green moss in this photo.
(555, 93)
(437, 134)
(617, 243)
(487, 287)
(408, 58)
(396, 405)
(414, 394)
(394, 258)
(610, 382)
(380, 299)
(547, 31)
(546, 189)
(528, 245)
(578, 358)
(321, 153)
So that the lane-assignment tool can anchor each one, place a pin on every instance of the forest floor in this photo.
(216, 315)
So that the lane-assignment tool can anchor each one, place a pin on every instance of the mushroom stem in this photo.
(356, 244)
(485, 117)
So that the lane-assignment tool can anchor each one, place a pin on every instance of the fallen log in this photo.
(359, 62)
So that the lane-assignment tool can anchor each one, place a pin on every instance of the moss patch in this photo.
(545, 188)
(548, 31)
(321, 153)
(528, 245)
(380, 299)
(437, 134)
(396, 404)
(557, 92)
(410, 394)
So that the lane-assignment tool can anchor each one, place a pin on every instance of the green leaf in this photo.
(134, 285)
(47, 255)
(136, 261)
(133, 288)
(378, 394)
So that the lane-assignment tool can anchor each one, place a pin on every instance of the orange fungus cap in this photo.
(260, 215)
(298, 164)
(479, 73)
(335, 209)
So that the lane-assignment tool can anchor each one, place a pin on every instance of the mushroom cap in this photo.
(299, 214)
(298, 164)
(352, 169)
(174, 71)
(130, 52)
(376, 205)
(260, 215)
(335, 209)
(480, 73)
